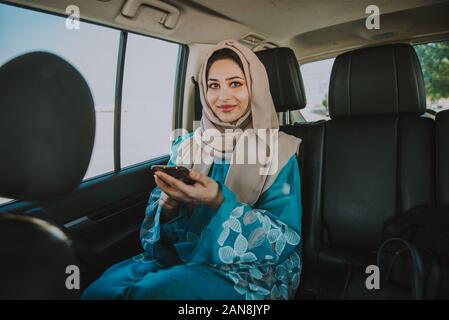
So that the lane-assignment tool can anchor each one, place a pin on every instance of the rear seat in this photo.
(373, 160)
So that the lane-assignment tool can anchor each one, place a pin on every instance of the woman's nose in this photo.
(224, 94)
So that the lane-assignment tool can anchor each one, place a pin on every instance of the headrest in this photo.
(284, 75)
(378, 80)
(35, 255)
(47, 125)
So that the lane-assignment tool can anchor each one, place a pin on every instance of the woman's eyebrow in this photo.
(235, 77)
(231, 78)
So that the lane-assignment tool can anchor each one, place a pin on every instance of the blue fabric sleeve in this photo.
(265, 233)
(153, 238)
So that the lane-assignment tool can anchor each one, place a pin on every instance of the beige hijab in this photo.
(216, 140)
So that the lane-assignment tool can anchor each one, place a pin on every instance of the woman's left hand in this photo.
(205, 190)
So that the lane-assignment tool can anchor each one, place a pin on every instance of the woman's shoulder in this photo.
(290, 148)
(175, 146)
(288, 140)
(290, 166)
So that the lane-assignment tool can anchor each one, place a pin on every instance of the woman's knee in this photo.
(107, 288)
(182, 283)
(98, 290)
(153, 288)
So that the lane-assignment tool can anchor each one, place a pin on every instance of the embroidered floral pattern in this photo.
(267, 279)
(237, 254)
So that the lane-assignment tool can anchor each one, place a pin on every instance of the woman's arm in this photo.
(152, 235)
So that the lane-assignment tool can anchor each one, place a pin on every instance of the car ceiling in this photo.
(314, 29)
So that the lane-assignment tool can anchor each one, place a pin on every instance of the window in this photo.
(316, 77)
(434, 58)
(147, 98)
(91, 49)
(148, 81)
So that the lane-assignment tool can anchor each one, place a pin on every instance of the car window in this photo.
(147, 98)
(434, 58)
(148, 80)
(316, 77)
(91, 49)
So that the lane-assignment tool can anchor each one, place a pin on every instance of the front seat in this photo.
(47, 125)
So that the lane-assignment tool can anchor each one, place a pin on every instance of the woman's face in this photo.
(227, 93)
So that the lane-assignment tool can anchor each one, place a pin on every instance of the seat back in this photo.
(47, 125)
(442, 155)
(378, 149)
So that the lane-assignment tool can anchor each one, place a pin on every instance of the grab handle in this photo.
(168, 20)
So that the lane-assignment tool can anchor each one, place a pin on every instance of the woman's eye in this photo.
(235, 84)
(213, 85)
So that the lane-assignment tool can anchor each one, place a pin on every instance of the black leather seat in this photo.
(47, 125)
(284, 75)
(442, 178)
(373, 160)
(442, 154)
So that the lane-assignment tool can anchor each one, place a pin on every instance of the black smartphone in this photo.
(178, 172)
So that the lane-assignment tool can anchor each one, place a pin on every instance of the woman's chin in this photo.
(228, 119)
(225, 117)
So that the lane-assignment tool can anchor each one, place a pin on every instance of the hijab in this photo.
(256, 132)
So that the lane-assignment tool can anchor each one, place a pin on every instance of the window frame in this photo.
(178, 95)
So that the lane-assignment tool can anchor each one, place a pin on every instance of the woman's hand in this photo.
(205, 190)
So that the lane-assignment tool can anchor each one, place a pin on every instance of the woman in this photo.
(235, 233)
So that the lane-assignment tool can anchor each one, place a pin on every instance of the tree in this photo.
(434, 59)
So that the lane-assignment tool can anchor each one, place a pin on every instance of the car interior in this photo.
(379, 150)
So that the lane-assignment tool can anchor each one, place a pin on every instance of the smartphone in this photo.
(178, 172)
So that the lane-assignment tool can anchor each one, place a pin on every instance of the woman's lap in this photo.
(115, 281)
(131, 279)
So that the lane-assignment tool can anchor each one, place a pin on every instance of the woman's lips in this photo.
(227, 108)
